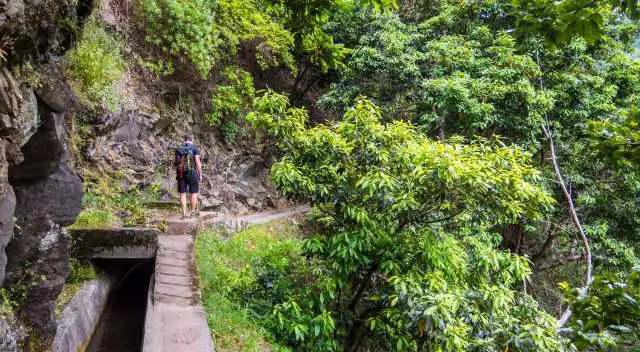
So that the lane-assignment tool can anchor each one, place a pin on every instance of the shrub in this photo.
(405, 257)
(231, 102)
(242, 277)
(205, 31)
(94, 219)
(95, 65)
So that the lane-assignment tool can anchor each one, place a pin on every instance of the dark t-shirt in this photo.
(183, 149)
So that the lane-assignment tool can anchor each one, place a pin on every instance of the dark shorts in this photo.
(188, 185)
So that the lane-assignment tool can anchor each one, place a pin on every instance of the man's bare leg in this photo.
(183, 203)
(194, 203)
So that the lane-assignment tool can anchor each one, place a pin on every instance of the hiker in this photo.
(189, 175)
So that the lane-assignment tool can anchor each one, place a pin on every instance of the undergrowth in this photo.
(230, 102)
(95, 65)
(106, 204)
(233, 273)
(80, 273)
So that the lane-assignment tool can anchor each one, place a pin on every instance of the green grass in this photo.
(107, 204)
(80, 274)
(92, 218)
(227, 270)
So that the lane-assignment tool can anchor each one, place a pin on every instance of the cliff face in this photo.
(39, 192)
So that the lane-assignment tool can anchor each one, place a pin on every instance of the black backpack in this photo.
(185, 161)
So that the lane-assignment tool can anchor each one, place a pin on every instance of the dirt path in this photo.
(238, 223)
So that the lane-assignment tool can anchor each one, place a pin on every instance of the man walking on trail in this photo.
(188, 174)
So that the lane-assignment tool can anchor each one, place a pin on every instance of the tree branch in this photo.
(576, 221)
(546, 246)
(364, 285)
(559, 260)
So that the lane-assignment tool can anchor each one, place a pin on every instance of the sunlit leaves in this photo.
(95, 65)
(618, 142)
(608, 315)
(391, 204)
(205, 31)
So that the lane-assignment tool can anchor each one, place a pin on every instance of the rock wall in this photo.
(39, 192)
(138, 144)
(42, 195)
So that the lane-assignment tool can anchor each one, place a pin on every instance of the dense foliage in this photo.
(438, 219)
(95, 65)
(207, 31)
(609, 316)
(231, 101)
(456, 68)
(406, 252)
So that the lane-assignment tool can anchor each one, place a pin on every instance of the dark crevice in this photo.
(121, 326)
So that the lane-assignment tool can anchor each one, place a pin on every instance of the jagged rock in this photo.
(129, 128)
(15, 8)
(28, 120)
(210, 203)
(42, 250)
(47, 196)
(10, 333)
(149, 120)
(43, 152)
(254, 203)
(43, 207)
(56, 94)
(56, 197)
(44, 192)
(7, 207)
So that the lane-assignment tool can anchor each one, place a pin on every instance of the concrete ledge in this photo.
(125, 243)
(81, 315)
(149, 321)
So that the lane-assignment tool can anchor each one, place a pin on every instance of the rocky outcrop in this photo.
(34, 26)
(7, 207)
(47, 198)
(139, 145)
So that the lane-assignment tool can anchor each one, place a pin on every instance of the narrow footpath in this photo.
(176, 320)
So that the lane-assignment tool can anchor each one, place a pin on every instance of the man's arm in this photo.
(199, 166)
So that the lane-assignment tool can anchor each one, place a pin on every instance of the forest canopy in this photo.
(472, 165)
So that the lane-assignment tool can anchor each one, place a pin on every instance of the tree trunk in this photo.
(576, 221)
(355, 337)
(441, 124)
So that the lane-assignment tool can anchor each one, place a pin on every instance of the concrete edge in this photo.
(149, 319)
(81, 315)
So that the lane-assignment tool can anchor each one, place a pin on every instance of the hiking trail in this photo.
(176, 320)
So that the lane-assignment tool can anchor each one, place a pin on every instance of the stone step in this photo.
(175, 248)
(170, 261)
(174, 290)
(174, 300)
(175, 239)
(174, 279)
(173, 270)
(183, 255)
